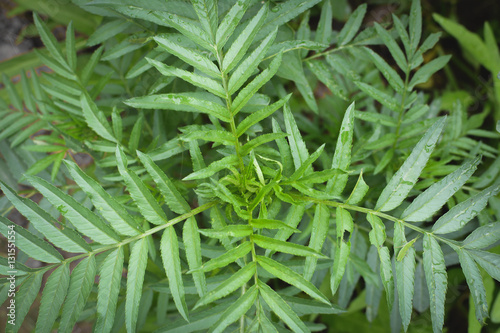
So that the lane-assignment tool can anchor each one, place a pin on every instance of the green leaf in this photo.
(88, 70)
(285, 247)
(342, 156)
(260, 140)
(426, 71)
(483, 236)
(180, 102)
(144, 199)
(41, 164)
(405, 178)
(70, 46)
(196, 80)
(320, 225)
(359, 191)
(284, 12)
(192, 242)
(352, 25)
(430, 201)
(67, 239)
(323, 73)
(245, 38)
(415, 24)
(363, 268)
(95, 122)
(383, 98)
(188, 28)
(50, 42)
(489, 261)
(251, 88)
(213, 168)
(281, 308)
(135, 134)
(17, 126)
(259, 115)
(80, 286)
(342, 251)
(297, 144)
(169, 248)
(236, 280)
(436, 277)
(30, 244)
(173, 198)
(386, 274)
(387, 71)
(393, 47)
(250, 64)
(25, 296)
(107, 206)
(475, 283)
(324, 30)
(306, 165)
(237, 310)
(110, 275)
(457, 217)
(291, 277)
(14, 97)
(87, 222)
(107, 31)
(405, 275)
(377, 234)
(230, 22)
(190, 56)
(53, 295)
(238, 230)
(135, 278)
(271, 224)
(228, 257)
(207, 13)
(284, 149)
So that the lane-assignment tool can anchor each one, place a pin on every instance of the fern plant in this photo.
(232, 217)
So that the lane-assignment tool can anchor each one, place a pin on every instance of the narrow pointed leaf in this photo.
(359, 191)
(297, 144)
(110, 275)
(207, 14)
(437, 281)
(30, 244)
(383, 98)
(483, 236)
(250, 64)
(352, 25)
(228, 257)
(67, 239)
(230, 22)
(90, 112)
(339, 264)
(281, 308)
(430, 201)
(213, 168)
(405, 178)
(271, 224)
(320, 225)
(147, 204)
(53, 295)
(342, 156)
(80, 286)
(405, 276)
(173, 198)
(489, 261)
(190, 56)
(393, 47)
(135, 278)
(461, 214)
(257, 116)
(50, 42)
(475, 283)
(324, 30)
(426, 71)
(197, 80)
(25, 296)
(169, 248)
(251, 88)
(245, 38)
(285, 247)
(387, 71)
(238, 230)
(260, 140)
(237, 310)
(415, 24)
(180, 102)
(87, 222)
(107, 206)
(291, 277)
(192, 242)
(236, 280)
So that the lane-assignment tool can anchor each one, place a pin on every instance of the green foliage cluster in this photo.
(210, 188)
